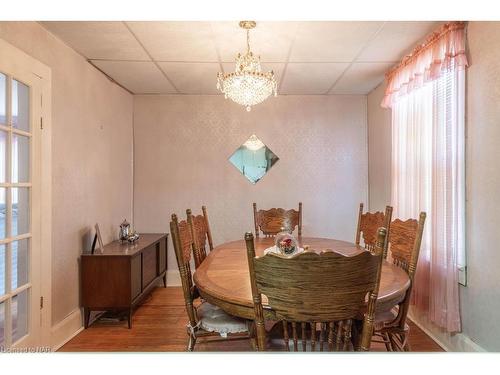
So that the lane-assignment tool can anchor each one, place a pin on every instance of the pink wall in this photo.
(91, 156)
(479, 309)
(379, 150)
(182, 144)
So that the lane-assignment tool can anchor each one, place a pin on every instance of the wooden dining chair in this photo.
(276, 220)
(318, 295)
(201, 234)
(204, 319)
(404, 240)
(368, 224)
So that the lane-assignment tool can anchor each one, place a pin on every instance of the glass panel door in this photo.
(16, 254)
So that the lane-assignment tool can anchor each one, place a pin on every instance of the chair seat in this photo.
(212, 318)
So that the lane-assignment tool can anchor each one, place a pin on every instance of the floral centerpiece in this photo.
(286, 243)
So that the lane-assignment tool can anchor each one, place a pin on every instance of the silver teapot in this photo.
(125, 230)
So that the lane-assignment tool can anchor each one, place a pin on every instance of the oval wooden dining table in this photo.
(223, 278)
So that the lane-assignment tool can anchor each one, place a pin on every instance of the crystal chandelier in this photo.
(247, 85)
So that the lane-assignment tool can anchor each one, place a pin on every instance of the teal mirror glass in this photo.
(253, 159)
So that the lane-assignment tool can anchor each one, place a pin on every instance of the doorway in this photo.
(24, 282)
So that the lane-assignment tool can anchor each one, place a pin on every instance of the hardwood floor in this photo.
(159, 324)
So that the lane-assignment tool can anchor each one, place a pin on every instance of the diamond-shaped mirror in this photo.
(253, 159)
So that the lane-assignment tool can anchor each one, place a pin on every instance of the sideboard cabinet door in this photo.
(149, 265)
(163, 256)
(135, 276)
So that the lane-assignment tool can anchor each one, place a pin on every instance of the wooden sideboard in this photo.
(120, 276)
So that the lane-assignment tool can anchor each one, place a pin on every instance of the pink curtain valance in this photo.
(443, 51)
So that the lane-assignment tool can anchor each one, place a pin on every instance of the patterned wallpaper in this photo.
(480, 302)
(91, 157)
(182, 146)
(379, 150)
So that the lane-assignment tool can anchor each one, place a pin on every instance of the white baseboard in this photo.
(173, 278)
(66, 329)
(457, 342)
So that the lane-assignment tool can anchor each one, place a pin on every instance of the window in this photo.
(427, 96)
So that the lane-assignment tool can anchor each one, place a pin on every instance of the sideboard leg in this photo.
(129, 318)
(165, 280)
(86, 317)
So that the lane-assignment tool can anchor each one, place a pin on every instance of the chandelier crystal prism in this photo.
(247, 85)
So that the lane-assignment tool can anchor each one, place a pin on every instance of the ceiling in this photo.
(308, 58)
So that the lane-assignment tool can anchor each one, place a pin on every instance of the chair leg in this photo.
(407, 347)
(129, 318)
(398, 341)
(191, 342)
(355, 334)
(405, 344)
(387, 342)
(394, 345)
(86, 314)
(252, 335)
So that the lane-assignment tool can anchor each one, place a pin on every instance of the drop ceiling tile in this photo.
(338, 41)
(312, 78)
(192, 78)
(277, 68)
(269, 40)
(361, 78)
(176, 41)
(99, 40)
(138, 77)
(326, 46)
(395, 40)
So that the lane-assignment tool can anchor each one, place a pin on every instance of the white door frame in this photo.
(13, 59)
